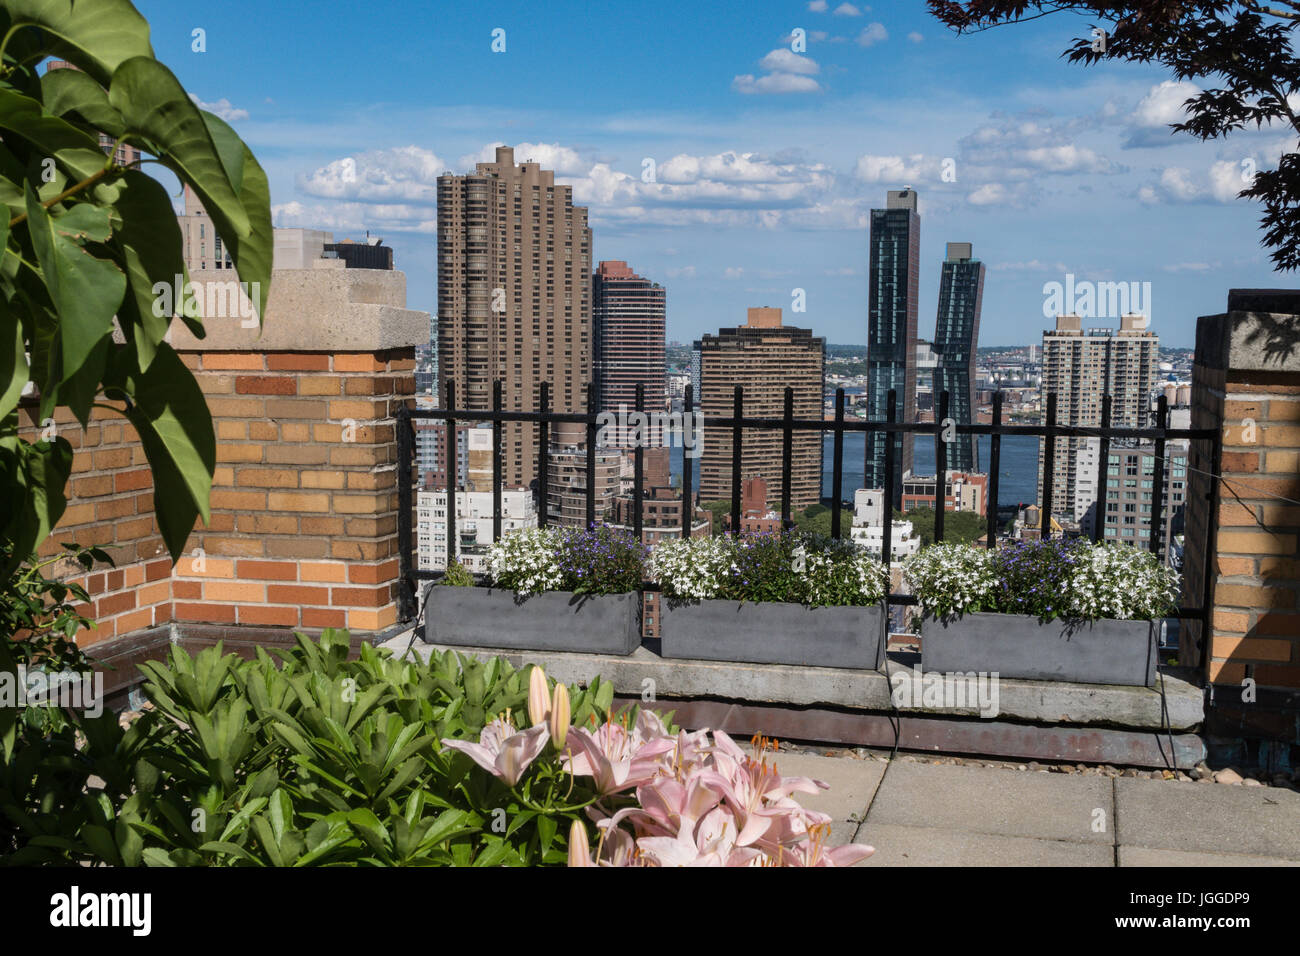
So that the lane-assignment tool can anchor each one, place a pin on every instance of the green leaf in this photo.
(73, 148)
(86, 291)
(252, 254)
(151, 240)
(175, 428)
(83, 221)
(14, 371)
(230, 148)
(39, 474)
(72, 91)
(95, 35)
(157, 856)
(158, 111)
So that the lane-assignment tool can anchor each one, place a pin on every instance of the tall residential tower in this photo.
(894, 276)
(1081, 366)
(628, 326)
(956, 334)
(514, 297)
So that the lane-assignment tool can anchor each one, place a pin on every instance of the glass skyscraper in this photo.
(894, 273)
(956, 334)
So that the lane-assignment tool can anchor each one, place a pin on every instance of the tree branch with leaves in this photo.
(1239, 50)
(86, 241)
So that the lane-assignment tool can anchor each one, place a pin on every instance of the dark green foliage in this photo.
(308, 760)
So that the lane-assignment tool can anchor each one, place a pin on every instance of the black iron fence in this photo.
(942, 430)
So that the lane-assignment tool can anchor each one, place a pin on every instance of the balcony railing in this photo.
(1159, 433)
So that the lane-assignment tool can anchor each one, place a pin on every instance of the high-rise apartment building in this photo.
(956, 335)
(203, 249)
(514, 298)
(1081, 366)
(566, 490)
(894, 277)
(764, 357)
(628, 331)
(474, 509)
(1130, 494)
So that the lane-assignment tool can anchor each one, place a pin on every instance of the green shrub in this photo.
(305, 758)
(458, 576)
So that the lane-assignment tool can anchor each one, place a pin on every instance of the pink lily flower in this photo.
(813, 852)
(711, 842)
(616, 759)
(502, 751)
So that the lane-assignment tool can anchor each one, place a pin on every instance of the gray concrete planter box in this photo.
(1018, 646)
(763, 632)
(554, 621)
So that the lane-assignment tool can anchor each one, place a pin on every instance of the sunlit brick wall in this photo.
(1247, 382)
(304, 497)
(110, 505)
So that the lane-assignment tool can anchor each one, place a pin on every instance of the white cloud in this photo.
(355, 217)
(1189, 267)
(1018, 148)
(561, 159)
(1033, 265)
(685, 272)
(847, 10)
(915, 37)
(895, 169)
(1227, 178)
(775, 83)
(782, 60)
(407, 173)
(872, 34)
(733, 272)
(988, 194)
(1154, 113)
(817, 6)
(223, 108)
(736, 167)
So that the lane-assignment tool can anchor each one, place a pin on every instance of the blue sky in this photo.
(767, 161)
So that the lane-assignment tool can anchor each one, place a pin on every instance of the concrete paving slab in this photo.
(1249, 821)
(852, 785)
(898, 845)
(1040, 806)
(1145, 856)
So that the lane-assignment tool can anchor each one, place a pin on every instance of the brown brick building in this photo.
(763, 356)
(514, 296)
(628, 321)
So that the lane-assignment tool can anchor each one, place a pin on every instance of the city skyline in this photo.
(768, 161)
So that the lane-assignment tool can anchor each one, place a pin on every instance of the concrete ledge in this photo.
(1249, 342)
(312, 310)
(1051, 702)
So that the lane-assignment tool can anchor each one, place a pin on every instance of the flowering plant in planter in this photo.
(791, 567)
(1071, 580)
(596, 560)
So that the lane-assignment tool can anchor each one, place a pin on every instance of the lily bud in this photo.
(579, 849)
(539, 705)
(559, 716)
